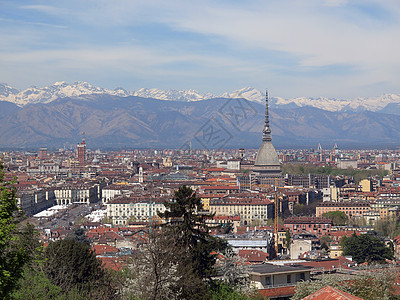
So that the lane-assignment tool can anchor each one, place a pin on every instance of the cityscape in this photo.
(274, 208)
(199, 150)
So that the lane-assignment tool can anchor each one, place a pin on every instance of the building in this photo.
(249, 209)
(313, 225)
(309, 181)
(264, 276)
(303, 243)
(43, 153)
(81, 148)
(351, 209)
(267, 163)
(122, 210)
(77, 193)
(34, 201)
(346, 164)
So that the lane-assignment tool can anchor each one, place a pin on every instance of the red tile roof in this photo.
(253, 256)
(330, 293)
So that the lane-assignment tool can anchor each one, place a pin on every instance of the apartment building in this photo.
(123, 209)
(313, 225)
(249, 209)
(351, 209)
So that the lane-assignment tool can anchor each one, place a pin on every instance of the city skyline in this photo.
(331, 48)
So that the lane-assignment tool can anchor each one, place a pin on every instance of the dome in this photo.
(266, 155)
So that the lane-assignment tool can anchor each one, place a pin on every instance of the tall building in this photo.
(267, 169)
(267, 163)
(43, 153)
(81, 153)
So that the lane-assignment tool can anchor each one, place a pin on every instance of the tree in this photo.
(339, 218)
(159, 264)
(71, 265)
(13, 255)
(79, 235)
(186, 225)
(369, 285)
(366, 248)
(325, 240)
(234, 271)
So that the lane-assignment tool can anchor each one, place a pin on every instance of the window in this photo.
(288, 279)
(268, 280)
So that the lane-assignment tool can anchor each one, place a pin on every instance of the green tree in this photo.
(366, 248)
(71, 265)
(186, 225)
(339, 218)
(13, 255)
(79, 235)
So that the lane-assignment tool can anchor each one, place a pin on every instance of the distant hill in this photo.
(111, 121)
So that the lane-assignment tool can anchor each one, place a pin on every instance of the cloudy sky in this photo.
(312, 48)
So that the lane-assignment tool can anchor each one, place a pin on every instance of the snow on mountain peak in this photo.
(248, 93)
(62, 89)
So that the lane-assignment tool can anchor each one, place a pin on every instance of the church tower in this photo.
(267, 163)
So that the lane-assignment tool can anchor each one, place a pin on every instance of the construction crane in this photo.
(276, 223)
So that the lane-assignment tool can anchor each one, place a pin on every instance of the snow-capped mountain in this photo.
(173, 95)
(47, 94)
(332, 104)
(6, 90)
(62, 89)
(248, 93)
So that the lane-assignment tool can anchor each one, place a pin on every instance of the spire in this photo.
(266, 130)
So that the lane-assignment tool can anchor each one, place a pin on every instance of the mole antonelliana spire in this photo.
(267, 130)
(267, 162)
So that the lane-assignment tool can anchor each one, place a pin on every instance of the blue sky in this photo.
(311, 48)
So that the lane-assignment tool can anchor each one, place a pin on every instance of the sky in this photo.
(304, 48)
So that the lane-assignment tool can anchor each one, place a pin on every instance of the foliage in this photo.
(369, 285)
(13, 255)
(160, 266)
(234, 271)
(366, 248)
(305, 210)
(35, 285)
(70, 264)
(188, 229)
(224, 291)
(325, 240)
(388, 227)
(339, 218)
(306, 168)
(79, 235)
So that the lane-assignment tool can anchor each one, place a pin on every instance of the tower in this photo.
(81, 148)
(43, 153)
(140, 175)
(267, 163)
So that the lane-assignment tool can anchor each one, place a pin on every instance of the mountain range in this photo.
(57, 115)
(388, 103)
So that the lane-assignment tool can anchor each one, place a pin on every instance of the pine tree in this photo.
(186, 225)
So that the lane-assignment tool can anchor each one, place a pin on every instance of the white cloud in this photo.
(312, 35)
